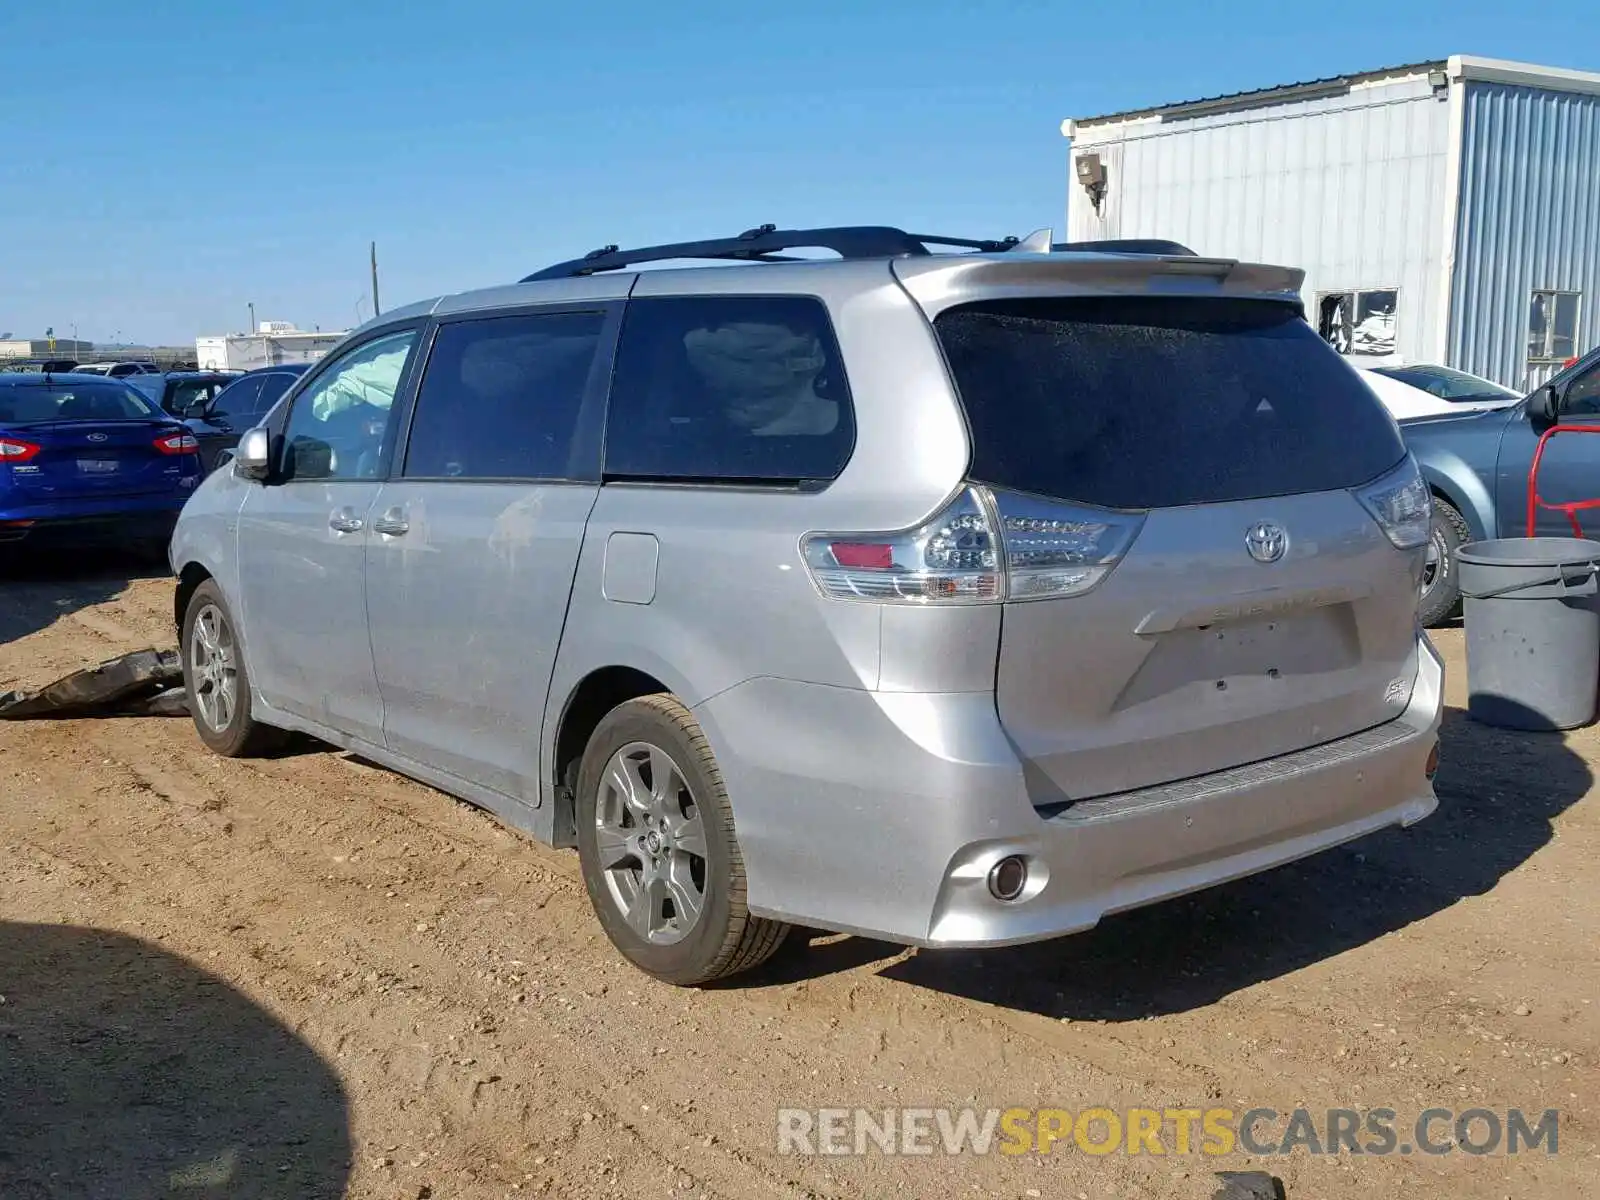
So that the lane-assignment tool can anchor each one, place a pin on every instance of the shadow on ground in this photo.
(38, 589)
(127, 1072)
(1498, 793)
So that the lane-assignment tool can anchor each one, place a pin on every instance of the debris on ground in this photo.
(1249, 1185)
(145, 683)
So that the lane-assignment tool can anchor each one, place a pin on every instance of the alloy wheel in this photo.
(651, 843)
(213, 668)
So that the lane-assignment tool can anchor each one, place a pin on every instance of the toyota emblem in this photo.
(1266, 542)
(98, 437)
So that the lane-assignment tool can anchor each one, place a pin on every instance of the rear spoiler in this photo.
(940, 281)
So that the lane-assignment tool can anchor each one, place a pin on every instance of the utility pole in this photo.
(252, 318)
(375, 309)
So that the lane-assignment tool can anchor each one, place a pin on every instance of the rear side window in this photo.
(1155, 402)
(501, 399)
(728, 389)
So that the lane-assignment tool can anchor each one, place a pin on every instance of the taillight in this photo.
(1055, 549)
(177, 443)
(15, 450)
(953, 559)
(1044, 550)
(1401, 504)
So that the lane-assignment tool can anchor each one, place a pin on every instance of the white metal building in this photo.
(273, 343)
(1446, 211)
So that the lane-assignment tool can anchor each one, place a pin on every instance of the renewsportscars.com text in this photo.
(1213, 1131)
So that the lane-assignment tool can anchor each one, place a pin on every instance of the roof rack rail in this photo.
(1124, 246)
(768, 243)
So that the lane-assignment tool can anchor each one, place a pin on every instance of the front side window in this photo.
(337, 426)
(729, 389)
(1552, 326)
(1582, 398)
(501, 398)
(237, 400)
(1360, 322)
(272, 389)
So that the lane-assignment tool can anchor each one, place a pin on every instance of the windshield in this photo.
(1447, 383)
(77, 401)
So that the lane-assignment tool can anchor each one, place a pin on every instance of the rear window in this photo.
(73, 402)
(1156, 402)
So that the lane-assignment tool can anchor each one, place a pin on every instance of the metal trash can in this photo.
(1533, 631)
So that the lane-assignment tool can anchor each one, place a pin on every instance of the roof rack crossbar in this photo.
(766, 243)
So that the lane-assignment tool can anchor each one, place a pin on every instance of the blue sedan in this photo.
(84, 458)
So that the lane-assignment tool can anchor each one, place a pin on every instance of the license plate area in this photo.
(1219, 656)
(97, 466)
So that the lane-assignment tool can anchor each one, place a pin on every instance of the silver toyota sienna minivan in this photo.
(954, 593)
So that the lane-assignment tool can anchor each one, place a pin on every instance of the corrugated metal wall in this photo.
(1350, 188)
(1529, 219)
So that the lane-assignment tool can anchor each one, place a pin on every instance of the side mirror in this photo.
(251, 458)
(1542, 406)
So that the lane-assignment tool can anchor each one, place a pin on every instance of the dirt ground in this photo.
(306, 977)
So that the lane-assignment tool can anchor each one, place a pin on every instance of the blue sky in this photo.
(170, 162)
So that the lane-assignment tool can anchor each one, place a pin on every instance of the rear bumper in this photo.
(106, 520)
(882, 815)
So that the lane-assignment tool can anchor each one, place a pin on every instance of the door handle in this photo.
(344, 520)
(393, 523)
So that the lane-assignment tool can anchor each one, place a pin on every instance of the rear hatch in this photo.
(1259, 606)
(89, 439)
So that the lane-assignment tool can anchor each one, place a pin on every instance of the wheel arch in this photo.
(586, 705)
(1469, 497)
(189, 581)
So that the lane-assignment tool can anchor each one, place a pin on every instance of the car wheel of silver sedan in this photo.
(657, 846)
(215, 678)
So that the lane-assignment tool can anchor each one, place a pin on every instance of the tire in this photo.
(647, 864)
(1440, 600)
(240, 735)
